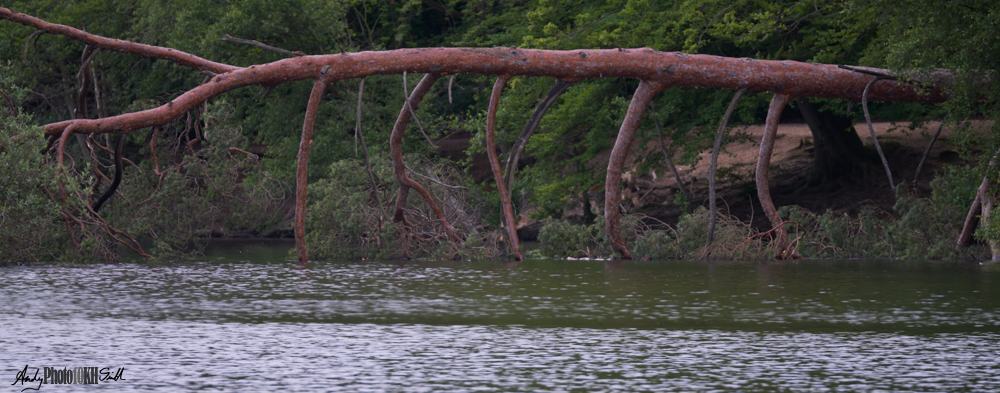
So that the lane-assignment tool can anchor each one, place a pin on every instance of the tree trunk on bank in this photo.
(838, 148)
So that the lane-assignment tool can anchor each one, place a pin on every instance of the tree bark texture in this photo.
(491, 152)
(778, 104)
(302, 168)
(612, 183)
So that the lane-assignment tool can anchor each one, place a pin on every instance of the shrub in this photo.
(347, 218)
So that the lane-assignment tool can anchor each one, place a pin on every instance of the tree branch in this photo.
(229, 38)
(491, 152)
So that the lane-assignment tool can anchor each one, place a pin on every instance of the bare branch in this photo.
(491, 152)
(155, 52)
(229, 38)
(406, 96)
(612, 182)
(930, 145)
(302, 171)
(868, 118)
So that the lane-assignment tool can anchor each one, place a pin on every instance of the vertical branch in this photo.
(118, 174)
(868, 118)
(364, 147)
(715, 163)
(778, 104)
(302, 170)
(61, 144)
(451, 81)
(399, 167)
(612, 217)
(491, 152)
(357, 124)
(410, 106)
(84, 78)
(529, 128)
(929, 146)
(973, 217)
(670, 162)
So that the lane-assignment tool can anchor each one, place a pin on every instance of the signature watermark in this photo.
(75, 375)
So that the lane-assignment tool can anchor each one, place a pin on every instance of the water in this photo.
(231, 324)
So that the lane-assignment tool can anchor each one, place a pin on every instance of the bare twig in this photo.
(666, 155)
(364, 147)
(529, 129)
(434, 179)
(868, 118)
(229, 38)
(409, 107)
(31, 39)
(929, 146)
(870, 71)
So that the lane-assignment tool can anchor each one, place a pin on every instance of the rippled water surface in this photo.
(247, 320)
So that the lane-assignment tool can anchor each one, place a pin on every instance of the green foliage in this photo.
(560, 239)
(955, 187)
(28, 218)
(920, 228)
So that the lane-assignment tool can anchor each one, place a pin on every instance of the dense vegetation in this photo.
(226, 169)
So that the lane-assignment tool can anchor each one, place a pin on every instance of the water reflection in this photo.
(536, 326)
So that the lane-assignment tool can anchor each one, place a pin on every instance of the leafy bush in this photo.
(28, 218)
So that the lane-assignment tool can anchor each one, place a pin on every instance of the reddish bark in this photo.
(778, 104)
(612, 194)
(112, 44)
(674, 69)
(491, 152)
(399, 167)
(302, 170)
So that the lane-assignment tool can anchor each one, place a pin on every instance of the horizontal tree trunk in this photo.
(792, 78)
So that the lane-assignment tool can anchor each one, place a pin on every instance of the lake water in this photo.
(245, 319)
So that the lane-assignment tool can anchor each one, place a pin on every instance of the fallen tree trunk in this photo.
(656, 70)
